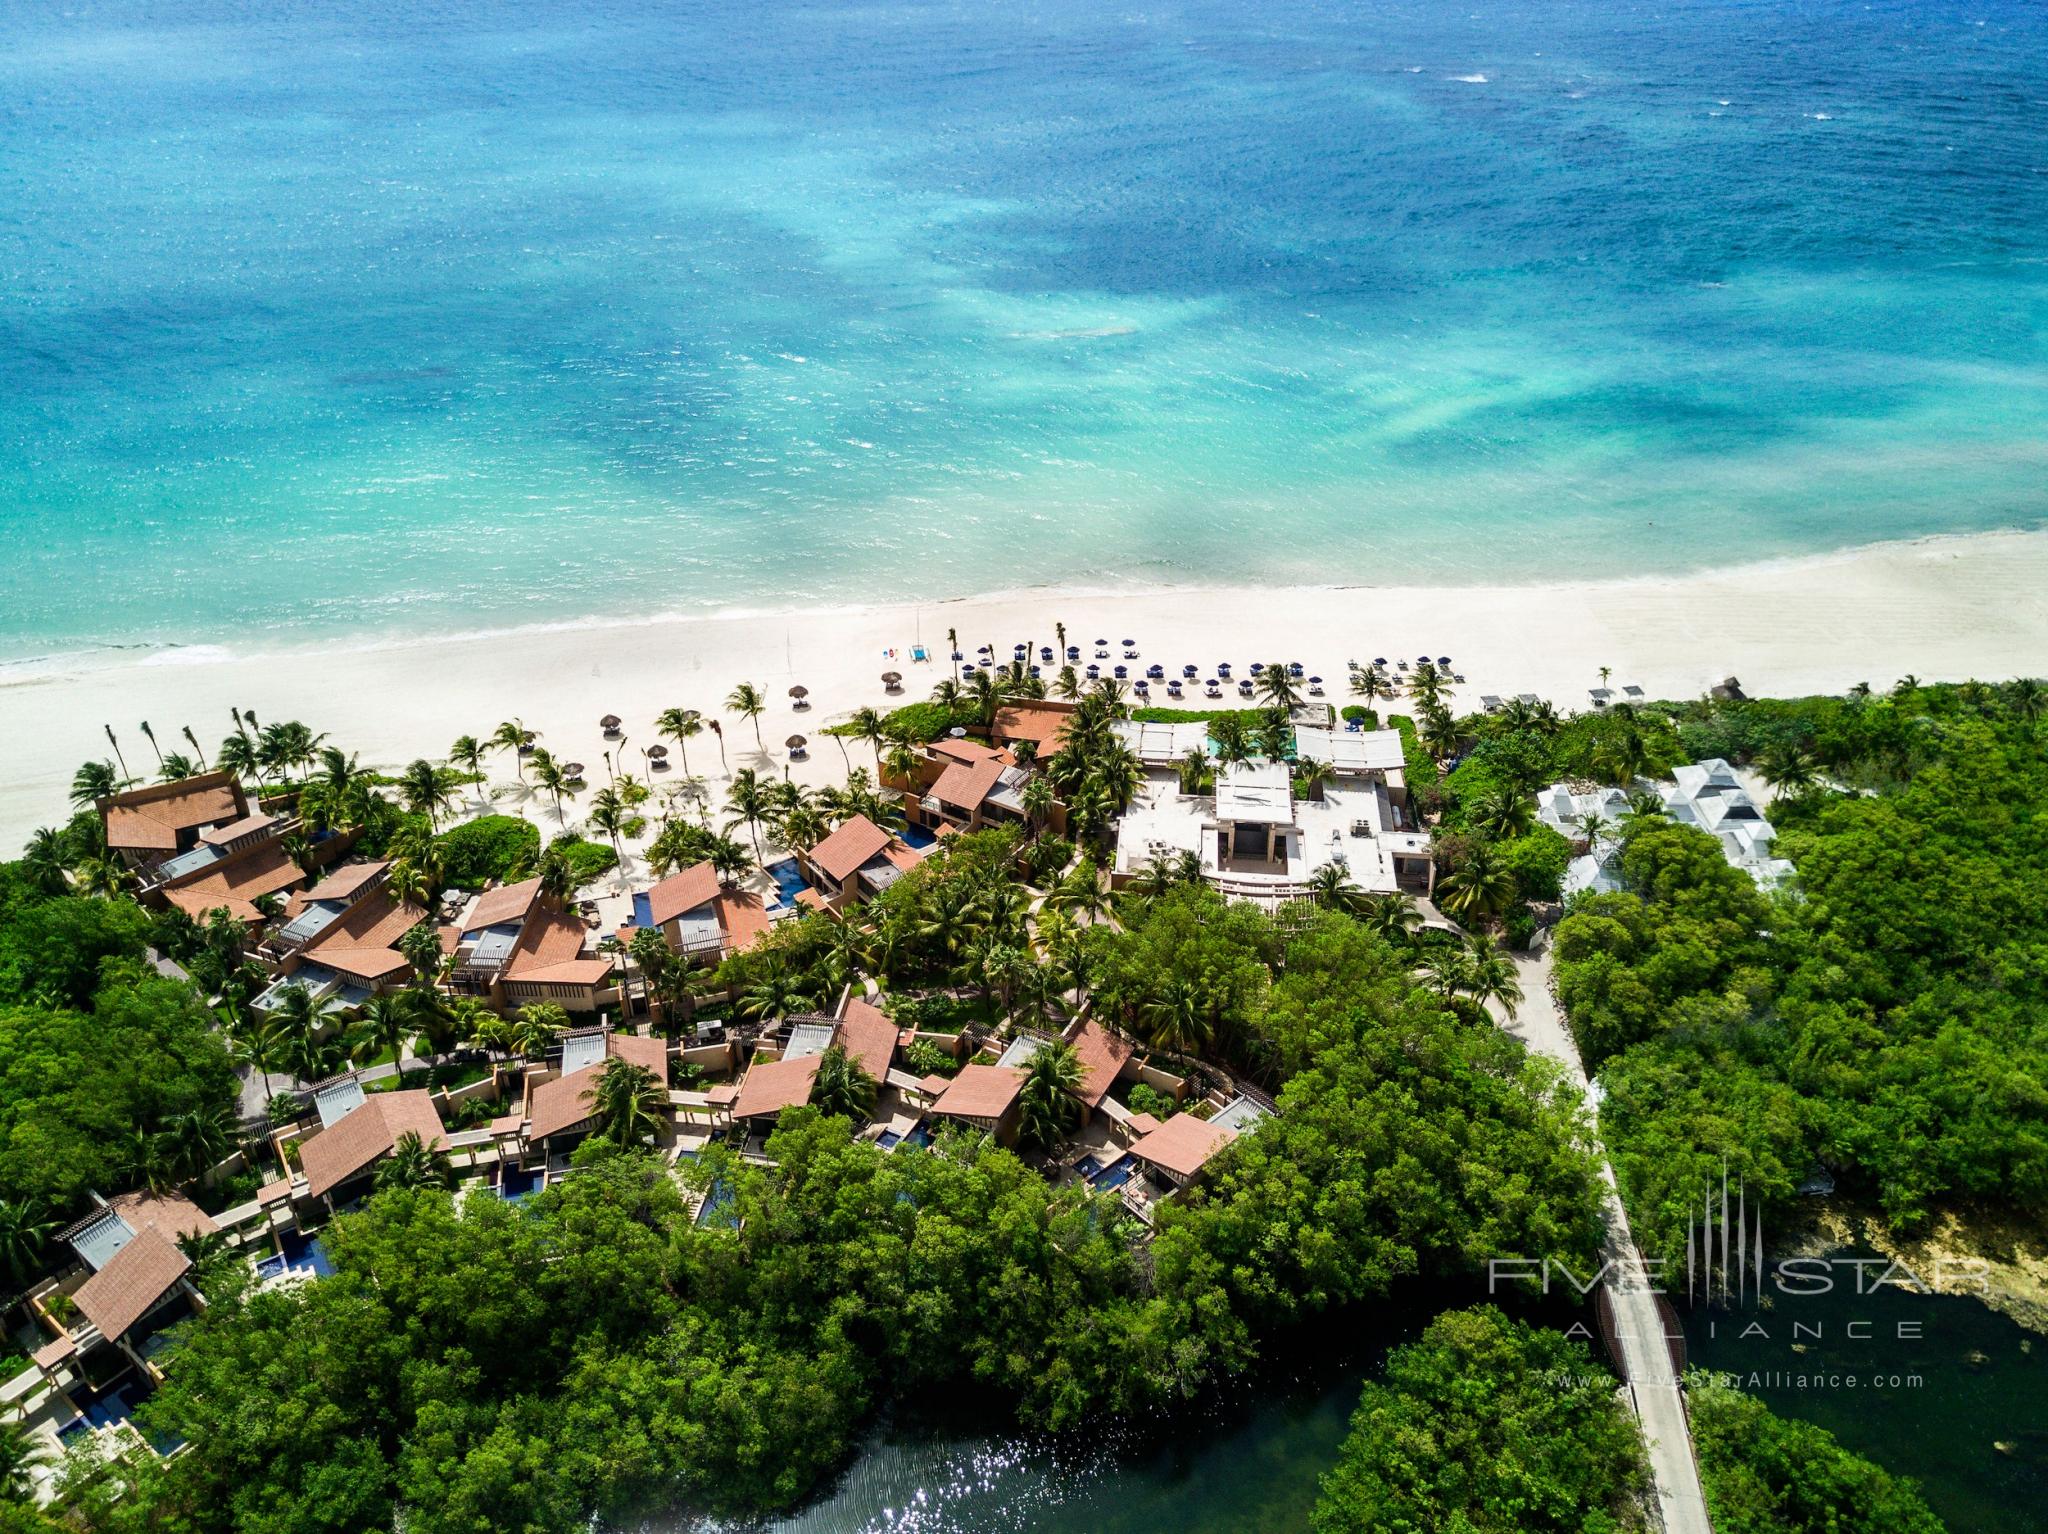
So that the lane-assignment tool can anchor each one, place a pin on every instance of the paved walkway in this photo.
(1646, 1359)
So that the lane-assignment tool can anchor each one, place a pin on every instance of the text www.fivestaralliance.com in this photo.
(1762, 1379)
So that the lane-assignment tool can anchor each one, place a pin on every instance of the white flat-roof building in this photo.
(1255, 841)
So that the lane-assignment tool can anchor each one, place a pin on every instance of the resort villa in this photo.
(856, 861)
(514, 945)
(702, 920)
(195, 844)
(783, 1079)
(1707, 795)
(558, 1110)
(338, 940)
(960, 784)
(1266, 827)
(980, 1097)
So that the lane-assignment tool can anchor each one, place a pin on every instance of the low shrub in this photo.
(500, 848)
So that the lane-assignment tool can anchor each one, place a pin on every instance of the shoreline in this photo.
(1943, 608)
(114, 654)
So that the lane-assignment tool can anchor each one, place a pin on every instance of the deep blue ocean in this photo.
(451, 314)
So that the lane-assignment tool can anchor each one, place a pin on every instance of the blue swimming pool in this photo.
(1104, 1175)
(918, 836)
(643, 911)
(302, 1253)
(919, 1135)
(789, 878)
(718, 1208)
(515, 1184)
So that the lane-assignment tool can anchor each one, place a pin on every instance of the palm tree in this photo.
(953, 648)
(1789, 769)
(1503, 812)
(1372, 684)
(151, 734)
(774, 997)
(867, 725)
(1480, 886)
(1080, 893)
(486, 1030)
(388, 1026)
(193, 741)
(1232, 734)
(842, 1086)
(262, 1046)
(468, 753)
(198, 1139)
(556, 873)
(25, 1228)
(1447, 971)
(237, 754)
(104, 876)
(426, 789)
(22, 1453)
(1278, 687)
(1492, 976)
(984, 696)
(94, 781)
(748, 799)
(536, 1026)
(746, 700)
(627, 1102)
(548, 773)
(1049, 1102)
(1068, 683)
(1593, 826)
(415, 1164)
(1177, 1016)
(515, 737)
(1039, 801)
(610, 817)
(678, 725)
(1331, 886)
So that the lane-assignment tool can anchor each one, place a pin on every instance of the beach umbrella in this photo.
(796, 744)
(799, 693)
(1443, 660)
(1258, 667)
(659, 753)
(1094, 671)
(609, 723)
(1036, 672)
(892, 680)
(1318, 681)
(1073, 652)
(572, 770)
(1102, 641)
(1294, 668)
(1130, 641)
(1045, 652)
(1122, 672)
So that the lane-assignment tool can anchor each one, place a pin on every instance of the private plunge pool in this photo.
(789, 880)
(302, 1254)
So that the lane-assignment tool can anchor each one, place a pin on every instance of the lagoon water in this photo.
(449, 314)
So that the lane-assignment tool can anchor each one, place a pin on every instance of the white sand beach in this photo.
(1945, 608)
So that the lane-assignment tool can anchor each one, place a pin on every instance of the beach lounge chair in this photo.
(1490, 703)
(1632, 690)
(920, 653)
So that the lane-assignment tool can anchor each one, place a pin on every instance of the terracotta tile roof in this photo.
(215, 836)
(336, 1154)
(980, 1092)
(238, 883)
(508, 902)
(1103, 1056)
(1042, 722)
(682, 892)
(1143, 1123)
(773, 1085)
(271, 1192)
(636, 1049)
(965, 784)
(963, 750)
(867, 1034)
(359, 941)
(742, 918)
(1183, 1144)
(562, 1103)
(934, 1084)
(903, 856)
(811, 898)
(346, 880)
(841, 853)
(550, 952)
(53, 1353)
(171, 1213)
(133, 1280)
(725, 1092)
(149, 819)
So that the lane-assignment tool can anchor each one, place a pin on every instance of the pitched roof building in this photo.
(364, 1135)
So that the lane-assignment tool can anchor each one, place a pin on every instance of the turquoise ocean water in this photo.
(451, 314)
